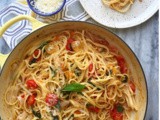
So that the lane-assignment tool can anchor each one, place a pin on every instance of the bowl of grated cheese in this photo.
(46, 7)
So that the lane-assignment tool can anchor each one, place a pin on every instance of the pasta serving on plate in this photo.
(119, 5)
(74, 75)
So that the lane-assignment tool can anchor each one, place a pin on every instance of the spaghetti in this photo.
(119, 5)
(73, 76)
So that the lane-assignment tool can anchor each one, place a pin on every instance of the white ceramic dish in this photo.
(138, 13)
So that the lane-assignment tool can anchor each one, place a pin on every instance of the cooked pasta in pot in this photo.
(73, 76)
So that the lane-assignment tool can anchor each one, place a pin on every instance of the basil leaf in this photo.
(73, 87)
(36, 113)
(120, 109)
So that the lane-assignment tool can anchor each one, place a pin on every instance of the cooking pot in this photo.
(41, 31)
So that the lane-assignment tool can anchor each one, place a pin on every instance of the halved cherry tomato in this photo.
(51, 99)
(36, 52)
(92, 108)
(77, 112)
(115, 115)
(68, 45)
(132, 86)
(121, 63)
(31, 100)
(31, 84)
(90, 68)
(23, 95)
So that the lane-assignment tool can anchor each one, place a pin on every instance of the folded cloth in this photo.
(18, 31)
(71, 11)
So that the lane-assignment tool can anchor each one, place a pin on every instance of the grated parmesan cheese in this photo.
(48, 6)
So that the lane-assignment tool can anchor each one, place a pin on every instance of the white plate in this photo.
(138, 13)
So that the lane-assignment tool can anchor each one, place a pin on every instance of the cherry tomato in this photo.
(51, 99)
(31, 84)
(90, 68)
(77, 112)
(122, 64)
(36, 52)
(115, 115)
(31, 100)
(93, 109)
(68, 45)
(132, 86)
(22, 96)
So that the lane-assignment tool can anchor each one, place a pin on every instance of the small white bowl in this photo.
(31, 4)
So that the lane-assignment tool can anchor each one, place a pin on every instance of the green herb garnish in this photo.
(109, 73)
(80, 93)
(66, 94)
(94, 85)
(71, 117)
(53, 72)
(77, 71)
(58, 105)
(120, 108)
(124, 79)
(34, 60)
(73, 87)
(54, 117)
(43, 44)
(91, 83)
(36, 113)
(88, 105)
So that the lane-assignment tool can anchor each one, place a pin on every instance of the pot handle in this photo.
(35, 25)
(3, 58)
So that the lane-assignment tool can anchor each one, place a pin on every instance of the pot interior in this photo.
(40, 35)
